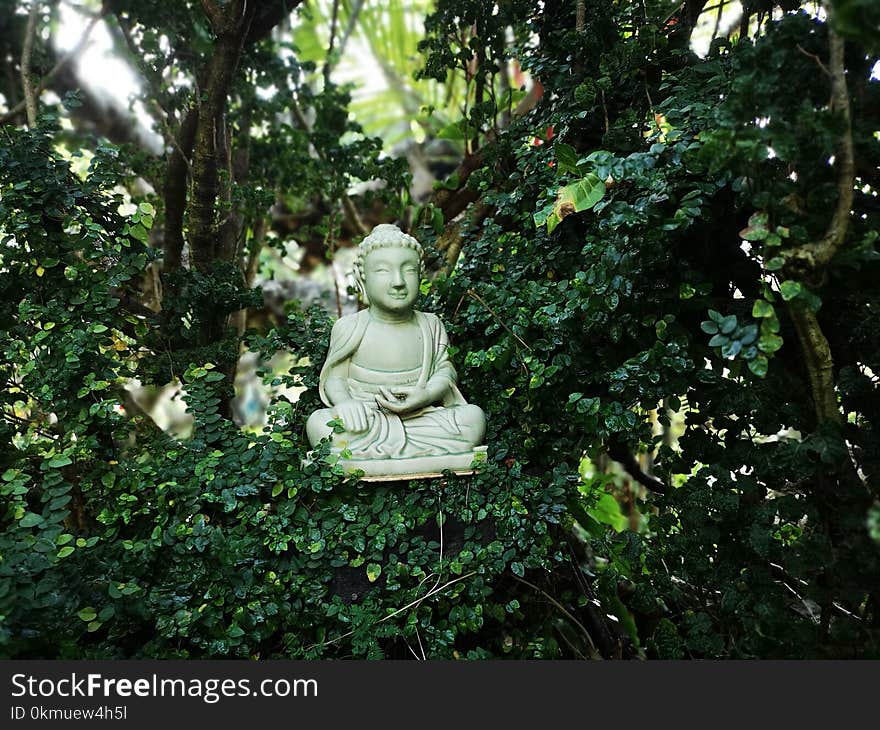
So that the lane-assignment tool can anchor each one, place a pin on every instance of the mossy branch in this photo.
(811, 259)
(816, 255)
(818, 361)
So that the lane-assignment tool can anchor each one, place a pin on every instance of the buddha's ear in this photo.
(361, 288)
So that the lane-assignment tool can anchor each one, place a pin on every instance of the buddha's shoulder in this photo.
(348, 323)
(431, 318)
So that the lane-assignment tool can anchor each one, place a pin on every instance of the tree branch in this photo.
(812, 258)
(352, 21)
(206, 178)
(53, 72)
(27, 83)
(328, 63)
(816, 255)
(215, 15)
(818, 362)
(269, 14)
(174, 194)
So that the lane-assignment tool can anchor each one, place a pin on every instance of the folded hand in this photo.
(403, 398)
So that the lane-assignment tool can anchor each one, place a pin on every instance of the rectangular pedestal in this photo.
(424, 467)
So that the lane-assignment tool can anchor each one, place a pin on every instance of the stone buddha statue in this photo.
(388, 377)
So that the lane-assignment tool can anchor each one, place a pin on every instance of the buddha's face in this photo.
(391, 279)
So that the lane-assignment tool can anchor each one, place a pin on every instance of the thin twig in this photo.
(816, 59)
(604, 110)
(717, 19)
(172, 138)
(421, 648)
(29, 424)
(412, 651)
(473, 294)
(408, 606)
(349, 28)
(330, 245)
(565, 612)
(651, 104)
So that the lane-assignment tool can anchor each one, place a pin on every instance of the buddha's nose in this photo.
(397, 279)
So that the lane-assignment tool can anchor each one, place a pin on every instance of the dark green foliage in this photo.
(650, 299)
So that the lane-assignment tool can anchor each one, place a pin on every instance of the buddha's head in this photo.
(388, 269)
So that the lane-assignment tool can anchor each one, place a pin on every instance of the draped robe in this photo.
(428, 431)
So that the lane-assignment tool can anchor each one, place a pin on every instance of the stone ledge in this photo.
(422, 467)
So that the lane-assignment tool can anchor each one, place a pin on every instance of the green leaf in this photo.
(728, 324)
(774, 264)
(139, 232)
(373, 572)
(277, 489)
(753, 234)
(789, 290)
(87, 614)
(762, 308)
(451, 131)
(607, 511)
(769, 343)
(577, 197)
(65, 551)
(770, 325)
(585, 193)
(718, 340)
(731, 349)
(59, 461)
(566, 158)
(518, 569)
(709, 327)
(31, 519)
(147, 209)
(540, 216)
(589, 406)
(759, 366)
(749, 334)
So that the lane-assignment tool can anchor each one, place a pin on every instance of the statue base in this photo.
(419, 467)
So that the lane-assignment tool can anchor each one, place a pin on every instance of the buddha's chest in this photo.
(391, 347)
